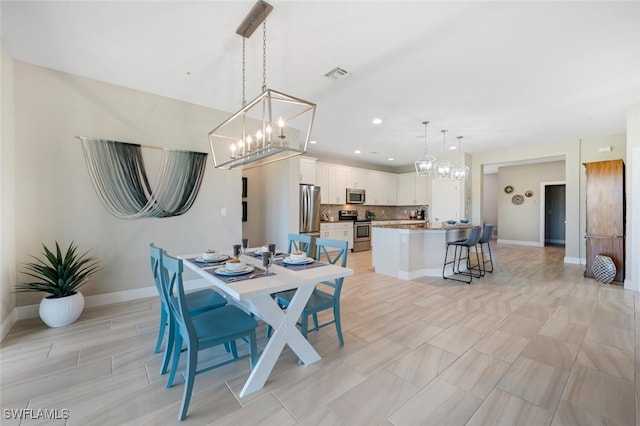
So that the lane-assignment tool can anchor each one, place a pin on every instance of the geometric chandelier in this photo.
(272, 127)
(460, 171)
(426, 166)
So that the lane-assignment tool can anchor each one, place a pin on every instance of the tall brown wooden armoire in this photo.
(605, 212)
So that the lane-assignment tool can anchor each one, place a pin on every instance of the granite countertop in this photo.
(422, 226)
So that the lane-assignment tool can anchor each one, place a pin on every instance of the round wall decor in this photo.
(529, 193)
(508, 189)
(517, 199)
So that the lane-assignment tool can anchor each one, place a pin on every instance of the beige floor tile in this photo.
(456, 339)
(440, 403)
(475, 372)
(377, 329)
(521, 326)
(601, 393)
(53, 382)
(574, 314)
(498, 307)
(607, 359)
(502, 345)
(564, 330)
(480, 321)
(267, 408)
(422, 364)
(302, 399)
(443, 317)
(537, 383)
(533, 311)
(569, 414)
(605, 314)
(374, 357)
(504, 409)
(321, 417)
(550, 351)
(414, 334)
(30, 368)
(436, 301)
(611, 336)
(364, 404)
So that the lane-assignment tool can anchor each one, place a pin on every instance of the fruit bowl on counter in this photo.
(451, 222)
(464, 221)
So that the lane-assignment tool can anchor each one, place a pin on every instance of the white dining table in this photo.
(254, 295)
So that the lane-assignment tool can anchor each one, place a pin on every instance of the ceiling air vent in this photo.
(337, 74)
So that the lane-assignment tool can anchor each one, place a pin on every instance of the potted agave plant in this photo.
(60, 275)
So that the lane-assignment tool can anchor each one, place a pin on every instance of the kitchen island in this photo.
(411, 251)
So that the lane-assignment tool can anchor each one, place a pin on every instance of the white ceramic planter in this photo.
(58, 312)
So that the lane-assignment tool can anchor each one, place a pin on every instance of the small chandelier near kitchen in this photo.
(443, 167)
(426, 166)
(272, 127)
(460, 171)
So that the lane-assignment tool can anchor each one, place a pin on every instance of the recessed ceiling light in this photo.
(357, 151)
(390, 158)
(377, 121)
(453, 148)
(313, 142)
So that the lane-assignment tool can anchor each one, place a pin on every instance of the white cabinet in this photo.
(357, 178)
(307, 171)
(391, 184)
(413, 190)
(332, 180)
(338, 231)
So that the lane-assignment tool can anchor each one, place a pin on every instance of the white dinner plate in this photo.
(218, 258)
(223, 271)
(304, 261)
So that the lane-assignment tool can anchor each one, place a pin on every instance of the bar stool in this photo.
(461, 248)
(485, 238)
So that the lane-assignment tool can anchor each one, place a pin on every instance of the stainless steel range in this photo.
(361, 229)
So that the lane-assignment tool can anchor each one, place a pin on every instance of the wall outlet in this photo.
(223, 211)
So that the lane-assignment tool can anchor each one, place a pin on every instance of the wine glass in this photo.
(245, 244)
(236, 250)
(267, 261)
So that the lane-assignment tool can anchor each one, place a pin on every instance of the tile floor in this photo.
(533, 343)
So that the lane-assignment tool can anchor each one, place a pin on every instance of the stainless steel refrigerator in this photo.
(310, 213)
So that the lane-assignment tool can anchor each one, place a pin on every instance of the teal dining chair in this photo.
(326, 295)
(299, 242)
(198, 302)
(208, 329)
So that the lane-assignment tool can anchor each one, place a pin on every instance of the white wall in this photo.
(521, 223)
(7, 189)
(490, 200)
(575, 153)
(54, 196)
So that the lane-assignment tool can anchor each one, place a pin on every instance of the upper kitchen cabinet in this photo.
(307, 171)
(358, 178)
(382, 189)
(412, 190)
(332, 180)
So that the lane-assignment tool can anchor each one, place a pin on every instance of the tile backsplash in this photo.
(381, 212)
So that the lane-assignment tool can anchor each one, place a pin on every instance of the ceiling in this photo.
(501, 74)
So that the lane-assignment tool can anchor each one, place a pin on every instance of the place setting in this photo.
(235, 269)
(209, 258)
(298, 261)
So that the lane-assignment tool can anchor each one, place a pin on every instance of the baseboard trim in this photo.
(8, 322)
(521, 243)
(575, 260)
(31, 311)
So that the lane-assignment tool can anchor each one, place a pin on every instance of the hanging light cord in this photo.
(264, 56)
(244, 65)
(426, 150)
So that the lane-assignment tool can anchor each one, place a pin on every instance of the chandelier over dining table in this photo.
(273, 126)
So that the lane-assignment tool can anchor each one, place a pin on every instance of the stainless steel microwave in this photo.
(355, 196)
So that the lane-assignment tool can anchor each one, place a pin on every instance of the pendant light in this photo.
(460, 171)
(443, 167)
(272, 127)
(426, 166)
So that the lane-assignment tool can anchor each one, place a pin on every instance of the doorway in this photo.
(553, 213)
